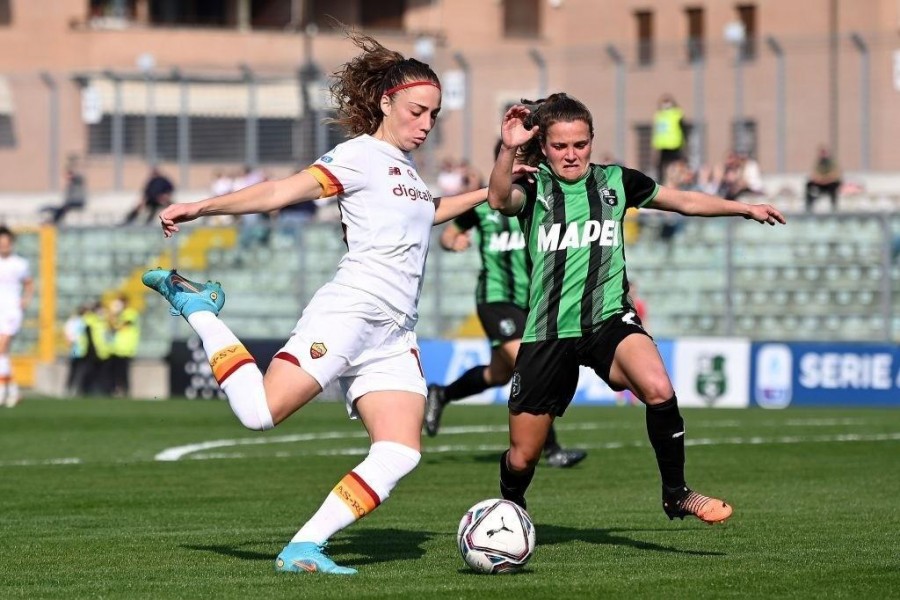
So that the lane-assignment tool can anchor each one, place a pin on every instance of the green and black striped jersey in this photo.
(573, 234)
(504, 276)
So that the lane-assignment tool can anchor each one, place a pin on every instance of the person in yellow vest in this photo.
(96, 372)
(668, 134)
(126, 335)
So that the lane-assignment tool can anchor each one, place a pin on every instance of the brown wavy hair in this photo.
(555, 108)
(359, 84)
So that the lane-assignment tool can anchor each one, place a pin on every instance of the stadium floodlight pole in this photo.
(184, 131)
(118, 130)
(698, 129)
(780, 104)
(541, 64)
(147, 63)
(53, 130)
(736, 35)
(467, 103)
(860, 44)
(251, 120)
(621, 79)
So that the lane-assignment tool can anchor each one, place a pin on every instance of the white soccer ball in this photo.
(496, 536)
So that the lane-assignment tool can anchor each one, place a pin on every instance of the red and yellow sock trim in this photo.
(228, 360)
(330, 184)
(357, 495)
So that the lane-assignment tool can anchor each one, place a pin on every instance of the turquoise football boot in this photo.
(308, 557)
(185, 296)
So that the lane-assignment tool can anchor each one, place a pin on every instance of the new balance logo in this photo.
(393, 170)
(578, 235)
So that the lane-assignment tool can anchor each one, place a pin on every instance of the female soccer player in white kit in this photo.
(357, 329)
(16, 292)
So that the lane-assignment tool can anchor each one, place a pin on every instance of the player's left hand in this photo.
(765, 213)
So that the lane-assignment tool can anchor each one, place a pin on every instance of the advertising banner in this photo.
(822, 374)
(711, 372)
(444, 360)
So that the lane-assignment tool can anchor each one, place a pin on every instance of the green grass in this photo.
(815, 516)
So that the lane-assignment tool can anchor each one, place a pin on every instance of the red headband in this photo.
(403, 86)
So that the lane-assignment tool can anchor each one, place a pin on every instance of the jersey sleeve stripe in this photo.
(330, 184)
(651, 196)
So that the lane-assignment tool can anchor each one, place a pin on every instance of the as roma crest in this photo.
(317, 350)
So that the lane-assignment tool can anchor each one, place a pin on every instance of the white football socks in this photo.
(361, 491)
(235, 370)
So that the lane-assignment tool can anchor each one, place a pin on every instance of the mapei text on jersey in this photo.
(578, 235)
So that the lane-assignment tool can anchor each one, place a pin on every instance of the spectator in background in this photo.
(450, 178)
(668, 134)
(255, 228)
(96, 360)
(737, 175)
(75, 332)
(156, 196)
(74, 197)
(124, 322)
(222, 184)
(824, 177)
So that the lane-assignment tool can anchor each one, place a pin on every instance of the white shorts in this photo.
(10, 321)
(343, 335)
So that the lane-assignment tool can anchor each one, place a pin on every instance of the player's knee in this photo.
(522, 459)
(657, 391)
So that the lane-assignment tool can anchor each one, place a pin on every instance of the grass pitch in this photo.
(89, 509)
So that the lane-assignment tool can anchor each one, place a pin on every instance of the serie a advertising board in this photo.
(443, 361)
(823, 374)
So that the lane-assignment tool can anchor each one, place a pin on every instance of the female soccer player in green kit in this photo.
(571, 212)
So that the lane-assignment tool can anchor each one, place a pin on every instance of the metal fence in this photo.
(776, 98)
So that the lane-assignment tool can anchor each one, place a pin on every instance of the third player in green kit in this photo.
(502, 301)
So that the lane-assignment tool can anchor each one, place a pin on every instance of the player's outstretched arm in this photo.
(698, 204)
(259, 198)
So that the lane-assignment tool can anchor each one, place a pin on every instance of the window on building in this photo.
(214, 112)
(644, 21)
(5, 13)
(384, 14)
(747, 16)
(744, 136)
(521, 18)
(271, 14)
(695, 34)
(320, 12)
(203, 13)
(7, 132)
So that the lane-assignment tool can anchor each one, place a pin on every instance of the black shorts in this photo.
(502, 321)
(546, 373)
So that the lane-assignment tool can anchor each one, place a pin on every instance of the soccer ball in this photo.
(496, 536)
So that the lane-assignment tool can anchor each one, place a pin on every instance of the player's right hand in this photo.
(177, 213)
(512, 131)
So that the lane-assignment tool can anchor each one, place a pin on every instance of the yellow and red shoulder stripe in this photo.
(330, 184)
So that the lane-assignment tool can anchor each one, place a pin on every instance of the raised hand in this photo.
(512, 130)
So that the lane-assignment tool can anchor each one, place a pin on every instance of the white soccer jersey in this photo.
(387, 213)
(14, 272)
